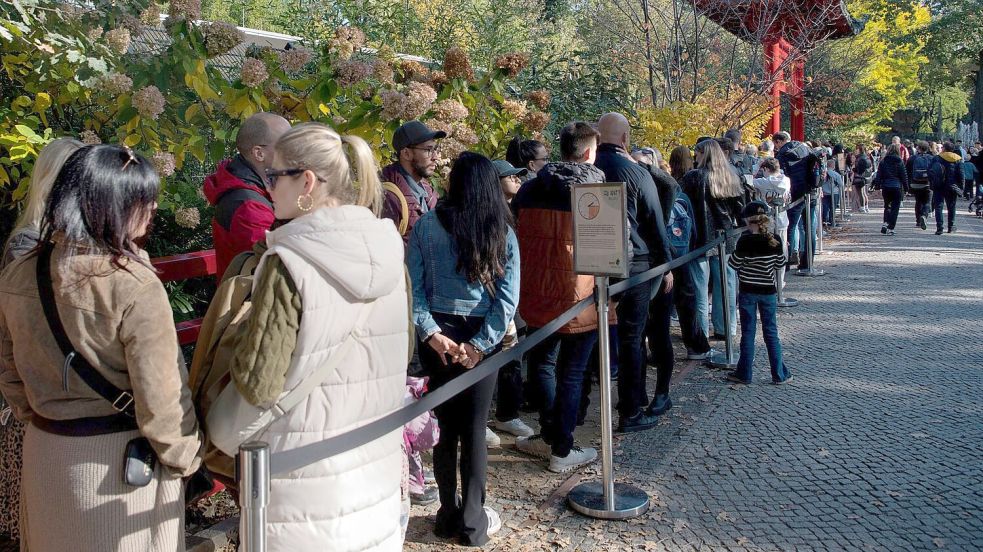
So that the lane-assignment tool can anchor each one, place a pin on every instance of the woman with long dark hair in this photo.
(463, 259)
(680, 162)
(99, 286)
(527, 154)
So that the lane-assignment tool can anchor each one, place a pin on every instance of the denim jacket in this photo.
(439, 287)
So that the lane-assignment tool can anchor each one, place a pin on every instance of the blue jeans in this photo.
(565, 357)
(767, 305)
(700, 270)
(717, 314)
(794, 217)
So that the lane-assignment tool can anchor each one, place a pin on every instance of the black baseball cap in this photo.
(412, 133)
(754, 208)
(505, 168)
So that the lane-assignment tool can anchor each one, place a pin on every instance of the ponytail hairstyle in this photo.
(764, 225)
(521, 152)
(344, 165)
(477, 219)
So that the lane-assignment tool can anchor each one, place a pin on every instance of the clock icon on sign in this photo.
(589, 206)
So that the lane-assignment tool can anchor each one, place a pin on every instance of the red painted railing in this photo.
(183, 267)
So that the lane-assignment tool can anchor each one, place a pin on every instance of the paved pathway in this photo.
(876, 445)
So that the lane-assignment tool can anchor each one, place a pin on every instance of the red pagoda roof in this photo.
(796, 21)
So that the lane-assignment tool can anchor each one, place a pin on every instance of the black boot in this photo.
(639, 422)
(659, 405)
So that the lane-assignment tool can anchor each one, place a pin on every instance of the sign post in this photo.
(600, 249)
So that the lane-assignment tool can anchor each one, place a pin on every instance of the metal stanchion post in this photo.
(254, 495)
(727, 359)
(818, 232)
(607, 499)
(810, 246)
(780, 271)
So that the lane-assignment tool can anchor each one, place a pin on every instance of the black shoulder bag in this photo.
(139, 459)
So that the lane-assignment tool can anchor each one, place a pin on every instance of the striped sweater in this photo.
(756, 261)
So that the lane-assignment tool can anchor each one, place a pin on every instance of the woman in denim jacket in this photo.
(463, 259)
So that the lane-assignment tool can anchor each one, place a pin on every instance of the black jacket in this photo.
(711, 214)
(646, 223)
(792, 158)
(891, 174)
(667, 187)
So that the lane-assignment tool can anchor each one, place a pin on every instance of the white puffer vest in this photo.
(342, 260)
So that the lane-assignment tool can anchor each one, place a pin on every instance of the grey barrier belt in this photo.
(300, 457)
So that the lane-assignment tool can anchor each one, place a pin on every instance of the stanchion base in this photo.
(810, 272)
(719, 360)
(788, 302)
(588, 499)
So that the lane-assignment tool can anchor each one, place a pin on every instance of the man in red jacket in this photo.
(238, 189)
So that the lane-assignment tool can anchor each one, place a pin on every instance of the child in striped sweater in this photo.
(758, 255)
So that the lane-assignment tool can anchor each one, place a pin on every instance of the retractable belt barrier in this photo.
(300, 457)
(257, 464)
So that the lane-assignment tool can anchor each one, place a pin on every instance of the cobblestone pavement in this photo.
(876, 445)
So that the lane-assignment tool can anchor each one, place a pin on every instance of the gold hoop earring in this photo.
(305, 202)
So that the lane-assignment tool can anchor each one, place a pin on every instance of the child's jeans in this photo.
(767, 305)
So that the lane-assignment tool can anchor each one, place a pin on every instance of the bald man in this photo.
(650, 247)
(238, 189)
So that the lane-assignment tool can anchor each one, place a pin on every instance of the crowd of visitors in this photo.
(369, 289)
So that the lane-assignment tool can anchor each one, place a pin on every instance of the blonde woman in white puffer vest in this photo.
(333, 266)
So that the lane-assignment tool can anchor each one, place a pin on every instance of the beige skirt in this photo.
(73, 498)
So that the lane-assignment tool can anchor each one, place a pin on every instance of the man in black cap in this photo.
(406, 193)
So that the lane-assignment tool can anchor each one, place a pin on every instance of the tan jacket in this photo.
(121, 323)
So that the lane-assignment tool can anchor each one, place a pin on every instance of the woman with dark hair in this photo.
(463, 259)
(680, 162)
(99, 286)
(892, 179)
(527, 154)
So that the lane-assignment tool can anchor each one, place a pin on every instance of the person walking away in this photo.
(774, 189)
(531, 155)
(509, 392)
(757, 256)
(407, 192)
(464, 263)
(946, 178)
(650, 247)
(717, 198)
(544, 226)
(332, 273)
(919, 172)
(23, 238)
(239, 190)
(832, 192)
(892, 179)
(93, 384)
(863, 172)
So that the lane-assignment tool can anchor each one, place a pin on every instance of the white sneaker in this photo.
(515, 426)
(534, 446)
(492, 440)
(494, 521)
(699, 356)
(576, 458)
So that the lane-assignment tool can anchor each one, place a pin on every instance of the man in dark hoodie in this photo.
(549, 286)
(793, 158)
(239, 189)
(946, 178)
(650, 247)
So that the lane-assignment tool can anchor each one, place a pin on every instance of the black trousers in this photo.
(923, 202)
(892, 205)
(684, 297)
(660, 343)
(633, 313)
(462, 421)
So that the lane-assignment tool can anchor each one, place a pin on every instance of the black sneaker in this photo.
(938, 232)
(638, 422)
(659, 405)
(952, 229)
(921, 223)
(884, 229)
(734, 378)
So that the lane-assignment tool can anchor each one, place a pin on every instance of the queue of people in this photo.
(368, 291)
